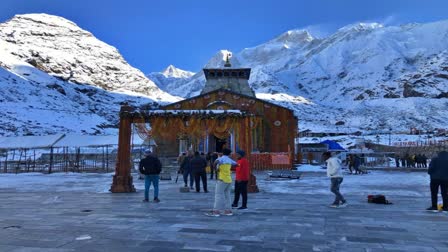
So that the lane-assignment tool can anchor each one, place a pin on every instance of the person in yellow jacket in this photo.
(223, 185)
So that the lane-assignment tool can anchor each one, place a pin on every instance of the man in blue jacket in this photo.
(438, 172)
(151, 167)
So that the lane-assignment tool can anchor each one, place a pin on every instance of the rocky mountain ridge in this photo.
(365, 76)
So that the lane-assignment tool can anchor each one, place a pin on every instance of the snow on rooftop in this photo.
(86, 141)
(29, 142)
(61, 140)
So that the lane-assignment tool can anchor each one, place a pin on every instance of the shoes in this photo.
(156, 200)
(334, 205)
(145, 200)
(445, 209)
(432, 208)
(198, 191)
(212, 214)
(228, 213)
(191, 188)
(234, 206)
(206, 191)
(343, 204)
(242, 208)
(185, 185)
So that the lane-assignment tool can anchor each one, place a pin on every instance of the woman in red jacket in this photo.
(241, 180)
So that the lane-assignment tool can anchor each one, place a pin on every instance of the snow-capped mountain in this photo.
(171, 78)
(363, 77)
(59, 47)
(56, 77)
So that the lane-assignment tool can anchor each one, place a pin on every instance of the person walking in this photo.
(241, 180)
(186, 169)
(350, 163)
(198, 165)
(151, 167)
(438, 172)
(222, 203)
(356, 164)
(335, 174)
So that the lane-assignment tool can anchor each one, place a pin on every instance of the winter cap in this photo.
(241, 153)
(147, 152)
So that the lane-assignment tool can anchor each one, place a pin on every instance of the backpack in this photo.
(378, 199)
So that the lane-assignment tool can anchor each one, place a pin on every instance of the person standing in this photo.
(425, 161)
(151, 167)
(223, 185)
(241, 180)
(198, 165)
(397, 160)
(186, 169)
(335, 174)
(438, 172)
(213, 173)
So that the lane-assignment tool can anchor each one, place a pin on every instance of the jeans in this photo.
(222, 196)
(185, 174)
(213, 172)
(240, 188)
(335, 184)
(435, 184)
(154, 179)
(200, 176)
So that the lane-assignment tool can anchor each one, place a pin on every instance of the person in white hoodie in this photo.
(335, 174)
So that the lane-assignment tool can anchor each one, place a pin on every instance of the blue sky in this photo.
(151, 34)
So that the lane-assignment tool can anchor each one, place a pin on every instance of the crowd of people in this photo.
(411, 161)
(354, 163)
(193, 167)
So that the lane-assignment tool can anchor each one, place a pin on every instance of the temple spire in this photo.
(227, 64)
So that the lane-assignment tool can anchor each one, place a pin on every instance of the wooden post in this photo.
(34, 159)
(107, 158)
(122, 180)
(6, 162)
(51, 160)
(252, 184)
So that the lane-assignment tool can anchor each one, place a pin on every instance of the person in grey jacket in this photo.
(335, 174)
(438, 172)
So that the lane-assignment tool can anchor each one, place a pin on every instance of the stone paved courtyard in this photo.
(284, 216)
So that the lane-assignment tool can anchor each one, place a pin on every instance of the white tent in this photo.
(29, 142)
(86, 141)
(62, 140)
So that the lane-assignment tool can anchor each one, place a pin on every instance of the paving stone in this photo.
(51, 221)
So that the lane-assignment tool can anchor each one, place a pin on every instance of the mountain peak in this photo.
(219, 59)
(357, 27)
(295, 36)
(47, 19)
(174, 72)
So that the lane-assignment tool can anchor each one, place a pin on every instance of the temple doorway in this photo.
(220, 144)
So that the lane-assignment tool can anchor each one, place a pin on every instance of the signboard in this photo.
(280, 159)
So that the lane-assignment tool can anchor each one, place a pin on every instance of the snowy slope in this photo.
(170, 78)
(33, 102)
(57, 78)
(364, 76)
(59, 47)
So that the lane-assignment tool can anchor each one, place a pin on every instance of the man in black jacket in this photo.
(198, 165)
(438, 172)
(151, 167)
(185, 167)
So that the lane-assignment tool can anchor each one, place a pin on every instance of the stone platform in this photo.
(287, 215)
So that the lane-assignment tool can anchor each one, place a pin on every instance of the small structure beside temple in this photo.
(225, 115)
